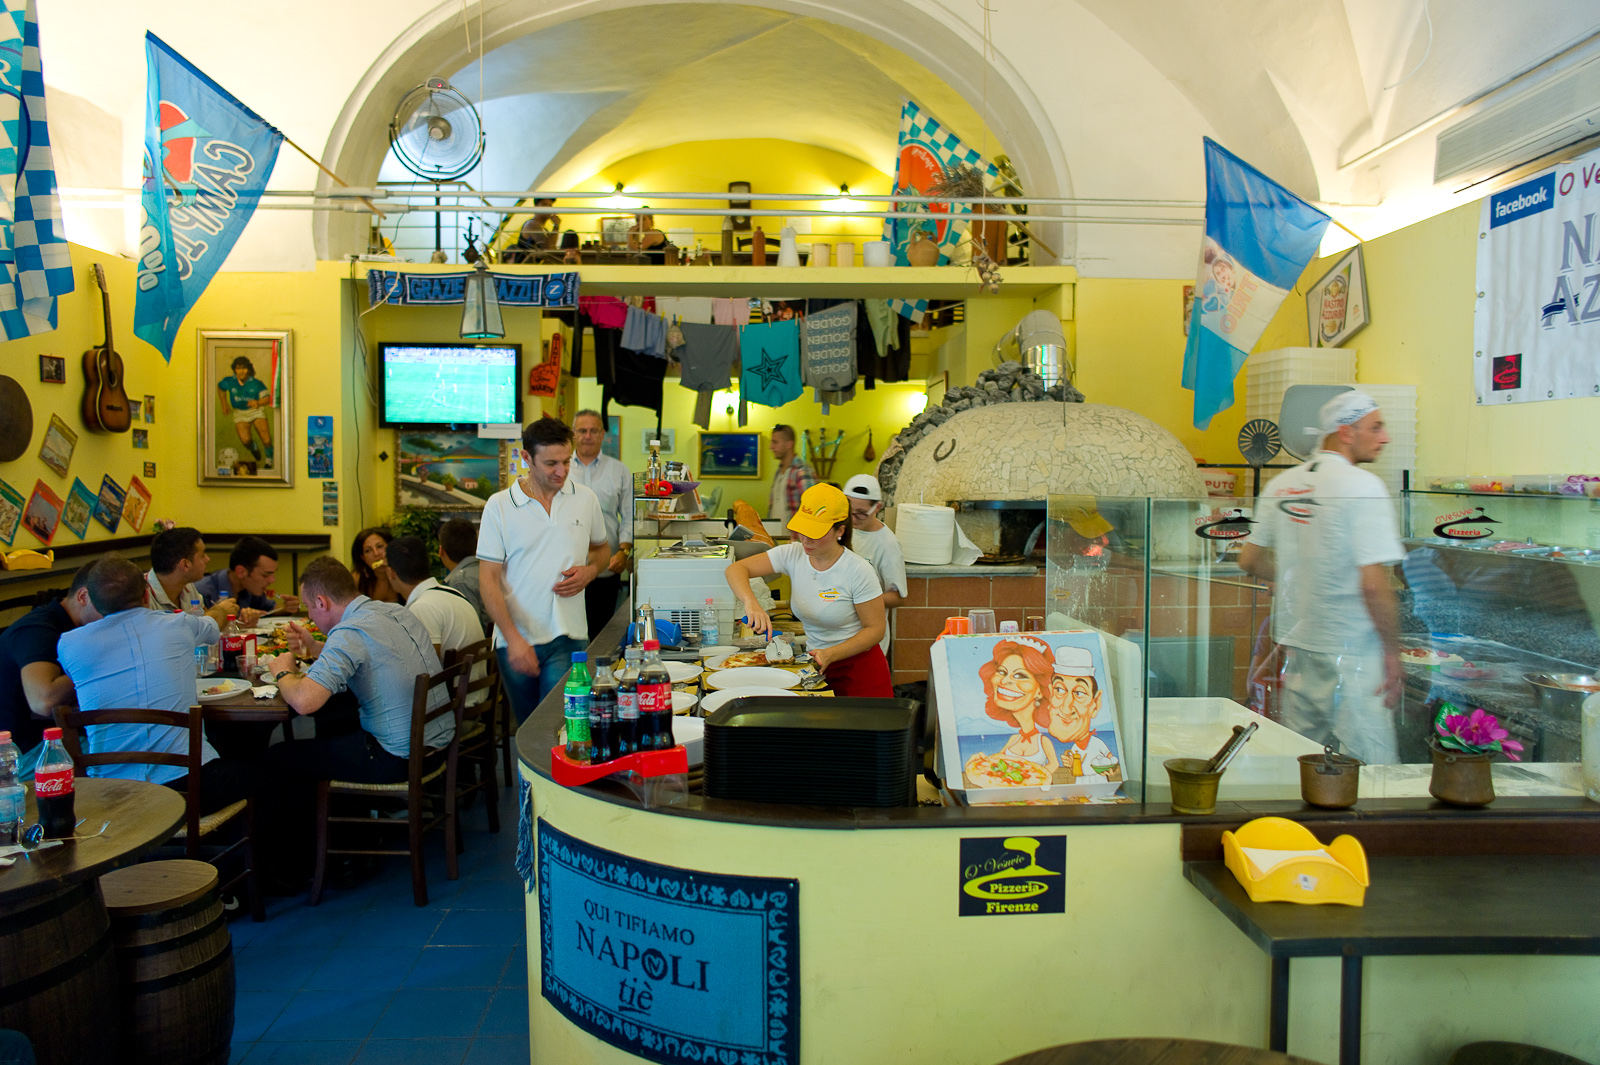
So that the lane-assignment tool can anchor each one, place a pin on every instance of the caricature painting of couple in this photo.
(1027, 710)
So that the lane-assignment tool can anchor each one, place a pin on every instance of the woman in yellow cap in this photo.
(835, 594)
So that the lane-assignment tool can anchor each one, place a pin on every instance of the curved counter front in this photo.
(746, 933)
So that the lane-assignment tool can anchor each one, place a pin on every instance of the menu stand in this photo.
(656, 778)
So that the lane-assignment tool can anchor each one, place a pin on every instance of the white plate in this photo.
(717, 650)
(235, 686)
(683, 702)
(690, 732)
(717, 700)
(681, 672)
(756, 676)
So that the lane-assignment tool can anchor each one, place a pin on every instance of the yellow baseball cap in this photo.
(821, 508)
(1084, 517)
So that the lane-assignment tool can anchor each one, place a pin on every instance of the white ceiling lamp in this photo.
(621, 202)
(480, 316)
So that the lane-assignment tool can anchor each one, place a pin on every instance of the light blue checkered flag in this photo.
(927, 149)
(35, 264)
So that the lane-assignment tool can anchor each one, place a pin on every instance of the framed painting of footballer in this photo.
(245, 428)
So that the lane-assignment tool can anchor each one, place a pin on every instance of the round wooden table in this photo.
(58, 982)
(1154, 1052)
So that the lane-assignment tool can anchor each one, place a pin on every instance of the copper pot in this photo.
(1461, 779)
(1329, 779)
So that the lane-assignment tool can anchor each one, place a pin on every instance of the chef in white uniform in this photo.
(1326, 535)
(875, 542)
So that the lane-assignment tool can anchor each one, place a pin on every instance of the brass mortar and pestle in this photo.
(1194, 780)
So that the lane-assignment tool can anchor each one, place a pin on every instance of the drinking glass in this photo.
(982, 620)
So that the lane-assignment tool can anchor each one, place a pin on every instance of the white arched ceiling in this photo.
(1095, 98)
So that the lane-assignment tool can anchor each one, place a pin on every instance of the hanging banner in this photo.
(926, 150)
(1259, 238)
(207, 158)
(35, 266)
(667, 964)
(512, 290)
(1536, 325)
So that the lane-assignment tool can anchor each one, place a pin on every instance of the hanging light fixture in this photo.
(480, 317)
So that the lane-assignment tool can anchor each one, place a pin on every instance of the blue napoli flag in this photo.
(35, 264)
(207, 158)
(1259, 238)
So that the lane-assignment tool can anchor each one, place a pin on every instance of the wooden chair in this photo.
(199, 830)
(1153, 1052)
(430, 780)
(480, 725)
(1510, 1054)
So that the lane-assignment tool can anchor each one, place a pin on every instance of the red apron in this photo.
(865, 676)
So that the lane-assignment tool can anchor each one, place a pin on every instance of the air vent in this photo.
(1559, 111)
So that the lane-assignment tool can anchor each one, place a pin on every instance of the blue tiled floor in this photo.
(368, 978)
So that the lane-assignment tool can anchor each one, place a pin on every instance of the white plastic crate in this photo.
(1268, 375)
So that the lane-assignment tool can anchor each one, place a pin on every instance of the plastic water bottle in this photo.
(710, 633)
(196, 607)
(52, 788)
(576, 699)
(12, 794)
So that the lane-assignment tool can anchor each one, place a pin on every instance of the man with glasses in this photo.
(612, 484)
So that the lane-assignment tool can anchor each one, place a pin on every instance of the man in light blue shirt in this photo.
(136, 658)
(612, 482)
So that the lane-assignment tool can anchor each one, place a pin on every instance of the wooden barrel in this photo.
(176, 961)
(56, 967)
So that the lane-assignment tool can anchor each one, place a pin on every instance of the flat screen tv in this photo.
(436, 385)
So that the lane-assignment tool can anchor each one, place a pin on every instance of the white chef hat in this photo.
(1074, 662)
(1346, 408)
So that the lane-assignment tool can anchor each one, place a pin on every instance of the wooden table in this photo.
(246, 707)
(1453, 905)
(58, 981)
(1152, 1052)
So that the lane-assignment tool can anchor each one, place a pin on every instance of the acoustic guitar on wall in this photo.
(105, 401)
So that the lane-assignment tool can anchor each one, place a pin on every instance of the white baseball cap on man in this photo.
(864, 486)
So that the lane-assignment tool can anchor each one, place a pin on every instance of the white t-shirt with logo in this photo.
(888, 561)
(825, 601)
(536, 547)
(1324, 520)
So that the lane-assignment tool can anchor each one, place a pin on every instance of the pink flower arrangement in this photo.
(1475, 733)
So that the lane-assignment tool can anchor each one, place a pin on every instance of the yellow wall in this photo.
(1130, 354)
(709, 165)
(1421, 287)
(303, 302)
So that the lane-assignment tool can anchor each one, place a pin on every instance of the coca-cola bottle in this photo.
(232, 645)
(626, 732)
(52, 788)
(603, 712)
(655, 700)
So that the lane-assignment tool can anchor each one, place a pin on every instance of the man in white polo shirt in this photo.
(875, 542)
(542, 541)
(1326, 535)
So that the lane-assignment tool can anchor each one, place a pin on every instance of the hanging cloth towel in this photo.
(607, 312)
(770, 354)
(645, 333)
(638, 381)
(730, 312)
(881, 317)
(708, 353)
(828, 348)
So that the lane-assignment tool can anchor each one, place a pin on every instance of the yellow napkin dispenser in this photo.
(25, 559)
(1278, 860)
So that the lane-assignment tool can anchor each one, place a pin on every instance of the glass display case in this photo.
(1195, 644)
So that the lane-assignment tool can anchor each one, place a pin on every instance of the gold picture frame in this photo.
(244, 381)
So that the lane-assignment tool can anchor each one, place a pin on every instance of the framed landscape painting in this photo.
(446, 470)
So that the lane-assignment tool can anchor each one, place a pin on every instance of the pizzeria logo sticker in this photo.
(830, 595)
(1013, 875)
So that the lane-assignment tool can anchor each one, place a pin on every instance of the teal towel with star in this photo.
(770, 356)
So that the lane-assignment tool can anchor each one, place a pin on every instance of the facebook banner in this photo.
(668, 964)
(207, 158)
(1259, 238)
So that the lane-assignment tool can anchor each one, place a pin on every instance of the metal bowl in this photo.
(1582, 684)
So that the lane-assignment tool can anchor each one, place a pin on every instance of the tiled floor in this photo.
(367, 977)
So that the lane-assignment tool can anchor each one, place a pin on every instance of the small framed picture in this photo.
(55, 450)
(141, 438)
(614, 230)
(668, 438)
(149, 409)
(52, 369)
(134, 408)
(730, 455)
(150, 470)
(1336, 306)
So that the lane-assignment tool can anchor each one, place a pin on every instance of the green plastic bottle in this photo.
(576, 698)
